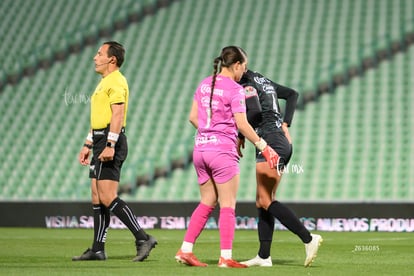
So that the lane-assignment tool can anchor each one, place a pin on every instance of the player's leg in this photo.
(227, 198)
(265, 189)
(267, 183)
(200, 214)
(227, 177)
(198, 220)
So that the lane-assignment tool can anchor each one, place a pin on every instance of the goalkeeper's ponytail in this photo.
(217, 68)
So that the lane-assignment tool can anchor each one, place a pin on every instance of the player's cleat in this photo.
(311, 249)
(230, 263)
(257, 261)
(144, 248)
(188, 259)
(89, 255)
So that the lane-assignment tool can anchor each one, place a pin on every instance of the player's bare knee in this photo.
(262, 202)
(106, 200)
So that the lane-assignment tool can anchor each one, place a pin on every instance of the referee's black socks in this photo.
(289, 220)
(101, 220)
(125, 214)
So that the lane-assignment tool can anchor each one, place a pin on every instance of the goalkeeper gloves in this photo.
(269, 154)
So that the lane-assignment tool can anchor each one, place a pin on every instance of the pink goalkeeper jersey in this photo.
(220, 132)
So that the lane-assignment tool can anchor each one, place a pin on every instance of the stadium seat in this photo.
(169, 52)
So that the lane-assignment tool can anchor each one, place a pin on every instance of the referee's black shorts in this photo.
(278, 141)
(109, 170)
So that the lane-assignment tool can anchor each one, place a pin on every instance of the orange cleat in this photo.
(188, 259)
(230, 263)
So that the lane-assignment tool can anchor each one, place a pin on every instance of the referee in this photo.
(107, 141)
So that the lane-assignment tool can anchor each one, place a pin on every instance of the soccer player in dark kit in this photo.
(263, 113)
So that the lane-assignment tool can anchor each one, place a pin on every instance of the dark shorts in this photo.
(278, 141)
(109, 170)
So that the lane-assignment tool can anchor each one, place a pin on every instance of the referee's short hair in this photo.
(117, 50)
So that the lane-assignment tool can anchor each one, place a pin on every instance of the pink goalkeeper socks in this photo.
(198, 221)
(227, 223)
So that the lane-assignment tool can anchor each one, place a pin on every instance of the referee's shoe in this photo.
(144, 248)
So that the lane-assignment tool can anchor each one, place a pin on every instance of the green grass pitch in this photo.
(38, 251)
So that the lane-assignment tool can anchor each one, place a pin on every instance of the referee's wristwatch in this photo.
(110, 144)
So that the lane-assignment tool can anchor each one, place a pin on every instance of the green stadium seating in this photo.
(339, 138)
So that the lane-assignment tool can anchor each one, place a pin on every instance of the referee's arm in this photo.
(86, 149)
(117, 119)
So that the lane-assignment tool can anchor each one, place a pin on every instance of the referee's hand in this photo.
(84, 156)
(107, 154)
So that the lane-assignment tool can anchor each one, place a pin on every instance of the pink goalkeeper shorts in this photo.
(219, 166)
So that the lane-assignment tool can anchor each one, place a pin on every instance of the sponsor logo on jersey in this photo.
(206, 88)
(266, 85)
(260, 80)
(205, 102)
(202, 140)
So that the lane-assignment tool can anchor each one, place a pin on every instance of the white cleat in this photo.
(312, 249)
(257, 261)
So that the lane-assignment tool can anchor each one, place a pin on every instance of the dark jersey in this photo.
(262, 94)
